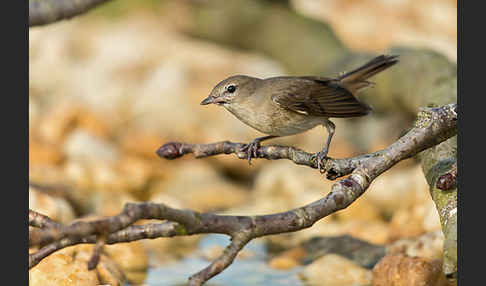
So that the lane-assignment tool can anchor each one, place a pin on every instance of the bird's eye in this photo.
(231, 88)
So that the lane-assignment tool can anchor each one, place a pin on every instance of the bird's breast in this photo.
(273, 120)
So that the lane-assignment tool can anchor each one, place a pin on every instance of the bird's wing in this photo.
(317, 96)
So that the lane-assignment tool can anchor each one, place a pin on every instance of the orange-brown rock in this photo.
(288, 259)
(335, 270)
(44, 154)
(403, 270)
(68, 267)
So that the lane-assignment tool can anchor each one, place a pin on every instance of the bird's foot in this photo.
(251, 149)
(320, 156)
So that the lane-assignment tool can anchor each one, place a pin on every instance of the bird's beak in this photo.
(207, 100)
(211, 99)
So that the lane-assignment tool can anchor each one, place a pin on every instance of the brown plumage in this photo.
(281, 106)
(316, 96)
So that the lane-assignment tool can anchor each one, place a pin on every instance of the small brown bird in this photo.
(286, 105)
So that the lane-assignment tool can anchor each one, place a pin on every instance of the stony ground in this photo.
(106, 92)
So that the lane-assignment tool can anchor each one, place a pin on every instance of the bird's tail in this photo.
(357, 78)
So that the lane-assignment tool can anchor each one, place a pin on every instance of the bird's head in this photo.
(231, 90)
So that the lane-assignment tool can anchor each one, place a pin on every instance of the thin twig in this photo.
(223, 261)
(97, 250)
(39, 220)
(131, 233)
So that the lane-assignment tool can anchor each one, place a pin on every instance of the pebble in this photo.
(402, 270)
(335, 270)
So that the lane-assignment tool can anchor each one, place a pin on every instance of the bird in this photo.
(288, 105)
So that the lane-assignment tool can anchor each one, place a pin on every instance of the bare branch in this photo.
(42, 12)
(432, 127)
(39, 220)
(335, 168)
(97, 250)
(131, 233)
(223, 261)
(130, 214)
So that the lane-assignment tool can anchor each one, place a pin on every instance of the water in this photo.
(252, 270)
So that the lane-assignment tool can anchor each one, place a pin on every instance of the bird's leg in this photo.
(321, 155)
(252, 147)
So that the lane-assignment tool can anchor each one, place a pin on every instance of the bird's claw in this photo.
(319, 157)
(251, 150)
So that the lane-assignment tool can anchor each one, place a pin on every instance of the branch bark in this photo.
(42, 12)
(439, 165)
(433, 126)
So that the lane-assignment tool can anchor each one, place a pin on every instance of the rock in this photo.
(369, 134)
(167, 200)
(78, 173)
(80, 179)
(431, 219)
(213, 196)
(91, 178)
(360, 252)
(34, 111)
(428, 246)
(142, 143)
(81, 145)
(150, 109)
(288, 259)
(165, 250)
(137, 174)
(360, 210)
(432, 26)
(283, 263)
(96, 124)
(131, 257)
(127, 175)
(68, 115)
(414, 221)
(109, 204)
(375, 232)
(44, 154)
(205, 191)
(324, 227)
(47, 174)
(398, 188)
(400, 269)
(68, 266)
(61, 269)
(58, 122)
(281, 186)
(109, 273)
(236, 168)
(335, 270)
(55, 208)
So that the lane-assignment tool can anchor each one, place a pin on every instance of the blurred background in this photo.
(109, 87)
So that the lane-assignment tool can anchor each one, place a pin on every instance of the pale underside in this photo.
(278, 122)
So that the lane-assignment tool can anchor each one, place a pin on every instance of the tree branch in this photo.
(335, 168)
(224, 260)
(433, 126)
(42, 12)
(39, 220)
(131, 233)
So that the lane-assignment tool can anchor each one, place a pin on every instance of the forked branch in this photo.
(433, 126)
